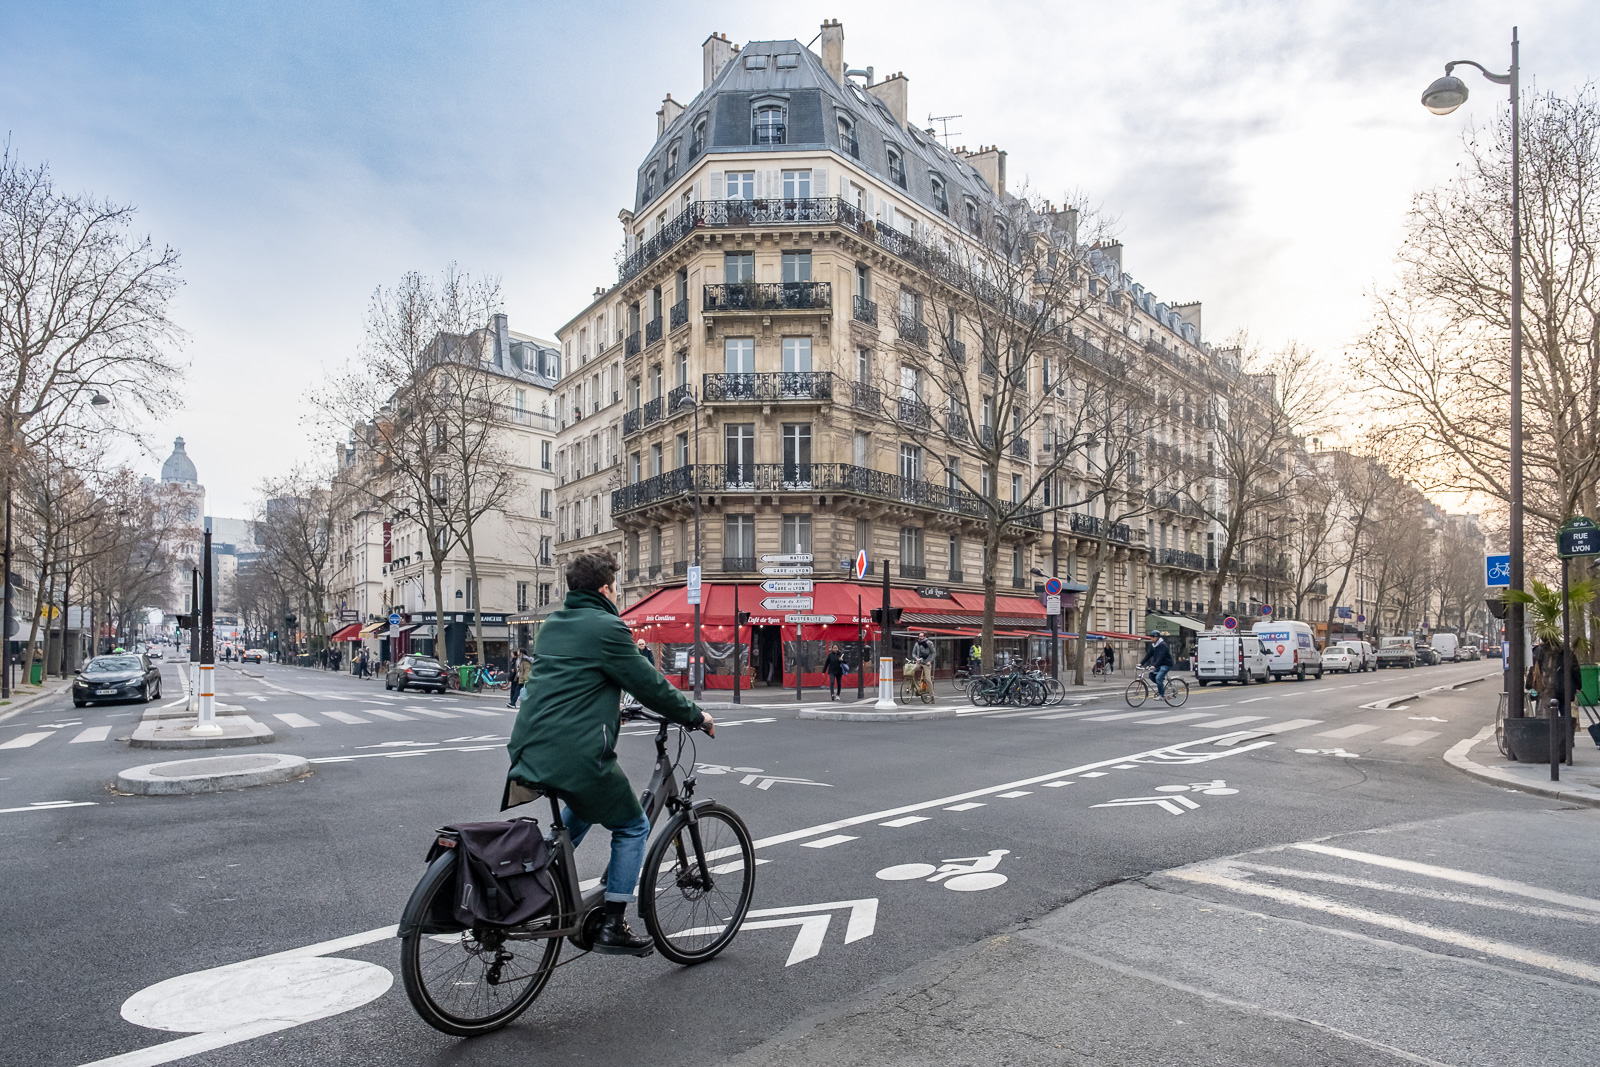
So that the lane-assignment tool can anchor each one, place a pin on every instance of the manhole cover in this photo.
(215, 765)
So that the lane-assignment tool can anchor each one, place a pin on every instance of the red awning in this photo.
(667, 615)
(347, 633)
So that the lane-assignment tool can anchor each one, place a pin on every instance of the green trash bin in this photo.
(36, 673)
(1589, 690)
(464, 675)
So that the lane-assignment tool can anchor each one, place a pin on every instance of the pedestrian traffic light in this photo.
(894, 616)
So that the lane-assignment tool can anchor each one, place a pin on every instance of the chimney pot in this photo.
(833, 49)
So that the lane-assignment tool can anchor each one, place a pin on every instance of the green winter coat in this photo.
(567, 723)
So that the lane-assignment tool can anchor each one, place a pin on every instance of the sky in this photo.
(1257, 156)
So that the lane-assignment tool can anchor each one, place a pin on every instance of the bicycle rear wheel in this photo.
(1137, 693)
(1177, 693)
(470, 982)
(697, 883)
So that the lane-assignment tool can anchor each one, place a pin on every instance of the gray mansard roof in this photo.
(813, 102)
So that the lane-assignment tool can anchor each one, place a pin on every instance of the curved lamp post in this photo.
(1442, 97)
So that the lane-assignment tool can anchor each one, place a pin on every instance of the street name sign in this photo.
(786, 603)
(808, 620)
(789, 557)
(1497, 570)
(1579, 537)
(799, 569)
(787, 585)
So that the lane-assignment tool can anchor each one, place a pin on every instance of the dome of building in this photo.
(179, 467)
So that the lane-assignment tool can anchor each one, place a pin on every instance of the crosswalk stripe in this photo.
(1069, 714)
(1183, 717)
(1237, 720)
(1118, 715)
(346, 717)
(1415, 737)
(93, 733)
(1286, 726)
(435, 714)
(299, 722)
(478, 711)
(395, 715)
(1349, 731)
(905, 820)
(26, 740)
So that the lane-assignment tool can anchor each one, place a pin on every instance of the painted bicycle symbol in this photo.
(965, 875)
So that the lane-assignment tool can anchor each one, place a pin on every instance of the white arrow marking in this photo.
(813, 921)
(766, 781)
(1171, 804)
(51, 805)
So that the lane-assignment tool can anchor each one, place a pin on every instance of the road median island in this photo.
(211, 774)
(235, 729)
(1578, 785)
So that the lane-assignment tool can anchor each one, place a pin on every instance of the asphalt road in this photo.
(1341, 962)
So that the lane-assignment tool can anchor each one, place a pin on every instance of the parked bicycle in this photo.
(698, 878)
(1014, 688)
(1139, 690)
(478, 678)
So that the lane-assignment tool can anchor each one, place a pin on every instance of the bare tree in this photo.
(295, 526)
(1363, 484)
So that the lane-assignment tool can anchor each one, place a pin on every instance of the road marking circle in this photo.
(289, 990)
(905, 872)
(972, 883)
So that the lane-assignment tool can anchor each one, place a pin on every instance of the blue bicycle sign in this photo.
(1497, 571)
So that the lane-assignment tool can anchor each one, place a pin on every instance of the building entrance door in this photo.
(768, 663)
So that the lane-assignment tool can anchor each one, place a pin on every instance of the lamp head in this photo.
(1445, 95)
(100, 400)
(686, 403)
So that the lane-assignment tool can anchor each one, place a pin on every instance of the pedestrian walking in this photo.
(644, 650)
(834, 666)
(519, 676)
(1111, 659)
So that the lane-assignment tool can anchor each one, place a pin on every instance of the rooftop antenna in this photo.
(946, 135)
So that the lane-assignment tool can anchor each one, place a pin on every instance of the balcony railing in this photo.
(957, 576)
(913, 412)
(956, 350)
(808, 477)
(864, 397)
(1093, 525)
(768, 296)
(1019, 447)
(738, 564)
(679, 315)
(652, 331)
(778, 385)
(632, 345)
(652, 411)
(955, 426)
(632, 421)
(1173, 557)
(914, 570)
(865, 310)
(912, 331)
(675, 399)
(680, 568)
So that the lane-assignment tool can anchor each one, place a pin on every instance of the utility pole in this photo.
(194, 641)
(885, 656)
(207, 723)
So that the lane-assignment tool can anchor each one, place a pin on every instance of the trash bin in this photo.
(36, 673)
(464, 675)
(1589, 689)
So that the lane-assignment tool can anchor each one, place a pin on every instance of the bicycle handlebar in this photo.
(639, 711)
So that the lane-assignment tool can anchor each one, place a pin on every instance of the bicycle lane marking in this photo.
(350, 991)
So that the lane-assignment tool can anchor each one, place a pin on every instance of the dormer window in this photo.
(973, 223)
(847, 136)
(897, 167)
(769, 127)
(755, 62)
(788, 60)
(672, 162)
(697, 140)
(940, 200)
(650, 183)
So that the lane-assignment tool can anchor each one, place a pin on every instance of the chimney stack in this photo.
(990, 163)
(833, 49)
(718, 52)
(892, 91)
(670, 110)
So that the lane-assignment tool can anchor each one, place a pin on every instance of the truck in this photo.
(1229, 656)
(1291, 649)
(1397, 652)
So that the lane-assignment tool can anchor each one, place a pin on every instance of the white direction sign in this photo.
(787, 585)
(787, 570)
(810, 620)
(786, 603)
(789, 557)
(813, 921)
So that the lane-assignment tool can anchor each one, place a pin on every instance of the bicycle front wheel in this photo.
(697, 882)
(1177, 693)
(470, 982)
(1137, 693)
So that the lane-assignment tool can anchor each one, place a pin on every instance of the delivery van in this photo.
(1446, 645)
(1224, 656)
(1291, 648)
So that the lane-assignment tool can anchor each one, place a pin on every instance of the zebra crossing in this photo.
(349, 718)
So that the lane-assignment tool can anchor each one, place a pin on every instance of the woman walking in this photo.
(834, 665)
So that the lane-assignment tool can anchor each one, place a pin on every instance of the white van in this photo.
(1229, 656)
(1291, 648)
(1446, 645)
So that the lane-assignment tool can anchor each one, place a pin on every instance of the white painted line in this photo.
(1182, 717)
(27, 740)
(1095, 774)
(1015, 793)
(1287, 725)
(1451, 874)
(1126, 767)
(905, 820)
(1118, 715)
(829, 842)
(1237, 720)
(1254, 700)
(1327, 689)
(434, 714)
(1352, 685)
(51, 805)
(289, 718)
(1057, 785)
(484, 713)
(93, 733)
(346, 717)
(1460, 938)
(1349, 731)
(1411, 739)
(1069, 714)
(968, 806)
(386, 714)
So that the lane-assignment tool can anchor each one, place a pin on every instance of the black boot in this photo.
(616, 938)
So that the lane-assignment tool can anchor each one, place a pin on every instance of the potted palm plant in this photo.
(1529, 738)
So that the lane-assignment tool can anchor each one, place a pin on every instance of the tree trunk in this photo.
(477, 591)
(1084, 617)
(991, 563)
(438, 608)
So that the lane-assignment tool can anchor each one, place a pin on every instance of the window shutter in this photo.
(819, 182)
(774, 184)
(716, 184)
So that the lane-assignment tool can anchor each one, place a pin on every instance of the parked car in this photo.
(1291, 648)
(418, 672)
(1470, 652)
(1344, 657)
(1426, 655)
(106, 679)
(1447, 647)
(253, 655)
(1230, 656)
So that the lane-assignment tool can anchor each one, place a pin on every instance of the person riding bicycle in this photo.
(922, 663)
(1158, 657)
(564, 741)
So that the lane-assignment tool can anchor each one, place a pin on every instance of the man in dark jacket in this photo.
(564, 740)
(1159, 658)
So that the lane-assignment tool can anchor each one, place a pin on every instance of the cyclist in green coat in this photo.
(565, 737)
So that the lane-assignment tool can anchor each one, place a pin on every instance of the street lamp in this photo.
(100, 400)
(1442, 97)
(687, 403)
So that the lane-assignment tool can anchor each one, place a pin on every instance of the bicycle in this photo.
(913, 689)
(694, 892)
(1139, 690)
(1014, 688)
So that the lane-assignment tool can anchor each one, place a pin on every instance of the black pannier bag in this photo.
(502, 873)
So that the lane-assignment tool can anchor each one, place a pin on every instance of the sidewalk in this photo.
(25, 696)
(1579, 784)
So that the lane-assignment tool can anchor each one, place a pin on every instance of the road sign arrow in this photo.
(813, 921)
(1175, 804)
(797, 569)
(767, 781)
(788, 557)
(787, 585)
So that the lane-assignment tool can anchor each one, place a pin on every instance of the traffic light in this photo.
(744, 618)
(894, 616)
(289, 621)
(273, 635)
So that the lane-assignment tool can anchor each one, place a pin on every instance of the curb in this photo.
(161, 733)
(1457, 757)
(27, 702)
(829, 714)
(211, 774)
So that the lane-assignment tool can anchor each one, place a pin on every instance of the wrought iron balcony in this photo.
(956, 350)
(807, 477)
(768, 296)
(779, 385)
(633, 345)
(1173, 557)
(914, 413)
(912, 331)
(957, 576)
(738, 564)
(914, 570)
(1093, 525)
(1019, 447)
(865, 398)
(652, 411)
(865, 310)
(652, 331)
(679, 315)
(986, 436)
(632, 421)
(955, 426)
(680, 568)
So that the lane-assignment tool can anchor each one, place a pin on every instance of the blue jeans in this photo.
(627, 851)
(1159, 676)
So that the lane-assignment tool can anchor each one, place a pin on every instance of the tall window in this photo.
(739, 452)
(697, 140)
(682, 372)
(655, 459)
(940, 200)
(739, 185)
(972, 216)
(769, 125)
(796, 451)
(797, 266)
(521, 403)
(910, 462)
(634, 391)
(863, 365)
(797, 353)
(655, 382)
(633, 551)
(910, 383)
(1016, 488)
(847, 137)
(683, 449)
(634, 466)
(952, 473)
(911, 546)
(863, 533)
(863, 448)
(522, 596)
(738, 267)
(544, 454)
(897, 167)
(739, 355)
(796, 534)
(655, 550)
(544, 503)
(955, 559)
(650, 184)
(1016, 568)
(739, 537)
(797, 185)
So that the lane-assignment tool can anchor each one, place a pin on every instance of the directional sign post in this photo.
(786, 603)
(787, 585)
(789, 557)
(788, 569)
(810, 620)
(1579, 537)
